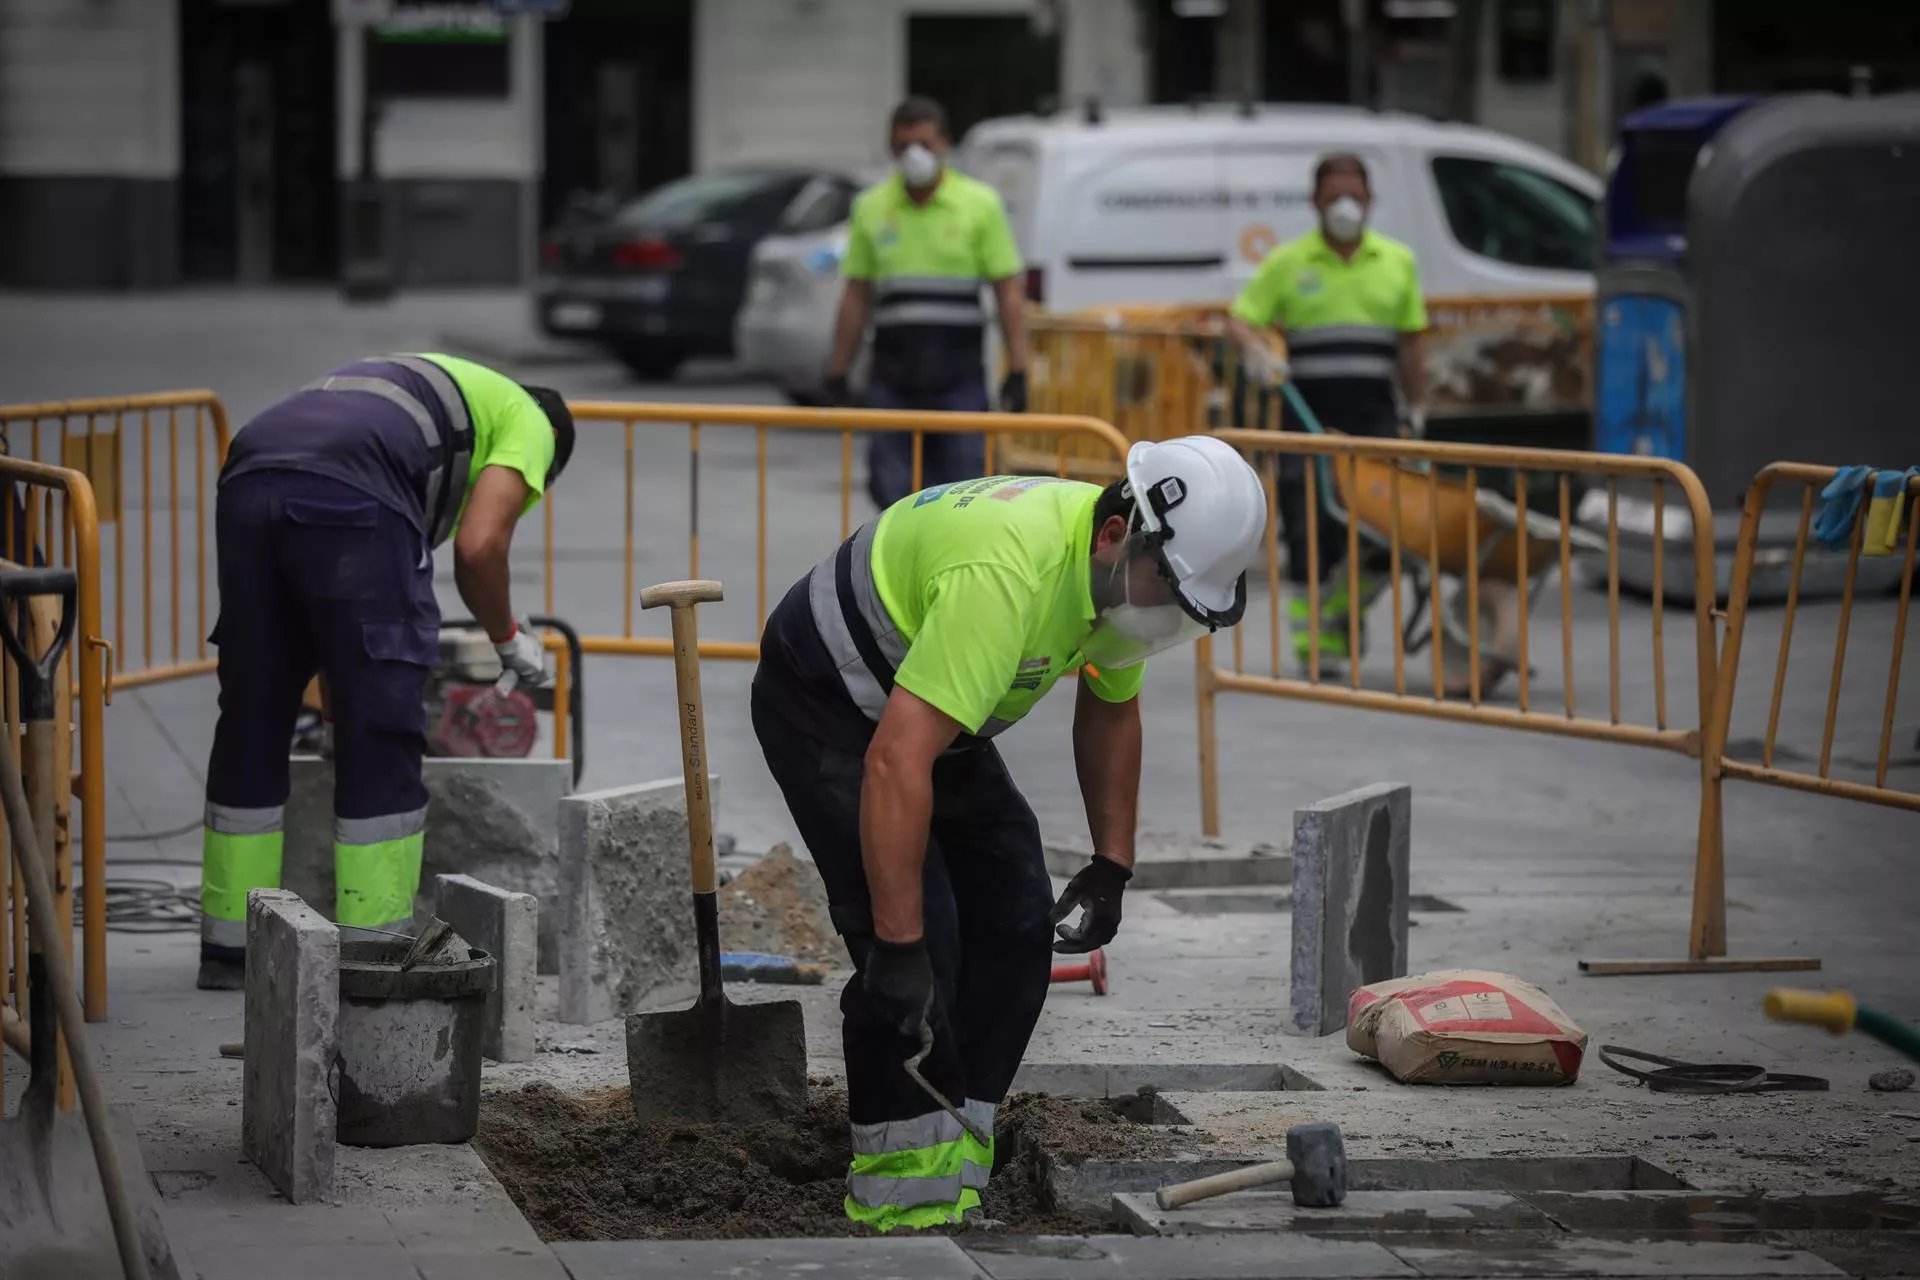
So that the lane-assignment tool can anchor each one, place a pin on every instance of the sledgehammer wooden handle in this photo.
(1254, 1175)
(682, 597)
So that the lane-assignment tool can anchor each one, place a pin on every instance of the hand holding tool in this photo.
(716, 1060)
(1093, 970)
(1316, 1168)
(898, 983)
(1097, 888)
(523, 660)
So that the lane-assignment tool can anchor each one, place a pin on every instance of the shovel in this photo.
(74, 1196)
(718, 1060)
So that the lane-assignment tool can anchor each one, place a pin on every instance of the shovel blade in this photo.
(719, 1061)
(53, 1214)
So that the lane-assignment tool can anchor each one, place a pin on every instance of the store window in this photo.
(442, 50)
(1517, 215)
(1523, 40)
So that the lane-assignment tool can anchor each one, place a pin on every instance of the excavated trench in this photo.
(581, 1166)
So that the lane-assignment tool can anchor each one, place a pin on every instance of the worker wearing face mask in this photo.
(1347, 300)
(883, 676)
(919, 246)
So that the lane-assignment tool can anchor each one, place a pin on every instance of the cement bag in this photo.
(1465, 1026)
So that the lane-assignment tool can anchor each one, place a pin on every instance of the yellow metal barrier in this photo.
(114, 443)
(1066, 437)
(1431, 512)
(47, 516)
(1812, 479)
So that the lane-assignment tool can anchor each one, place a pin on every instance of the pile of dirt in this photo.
(779, 906)
(584, 1167)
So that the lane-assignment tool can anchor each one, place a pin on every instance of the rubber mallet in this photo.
(1093, 970)
(1316, 1166)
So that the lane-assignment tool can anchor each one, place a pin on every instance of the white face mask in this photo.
(1145, 625)
(918, 165)
(1344, 220)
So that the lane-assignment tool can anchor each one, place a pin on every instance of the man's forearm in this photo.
(1013, 322)
(1106, 755)
(849, 324)
(896, 806)
(483, 582)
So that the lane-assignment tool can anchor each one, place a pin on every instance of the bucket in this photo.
(410, 1045)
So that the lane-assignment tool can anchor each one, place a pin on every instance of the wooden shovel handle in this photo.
(1254, 1175)
(682, 597)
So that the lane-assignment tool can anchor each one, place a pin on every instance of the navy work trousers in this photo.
(316, 576)
(944, 458)
(987, 899)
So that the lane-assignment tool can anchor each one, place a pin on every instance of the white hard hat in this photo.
(1199, 514)
(1205, 510)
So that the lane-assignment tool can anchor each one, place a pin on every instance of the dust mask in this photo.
(1344, 220)
(918, 166)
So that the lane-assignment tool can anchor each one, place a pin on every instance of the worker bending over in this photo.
(330, 505)
(883, 675)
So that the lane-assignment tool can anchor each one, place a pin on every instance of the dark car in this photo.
(661, 278)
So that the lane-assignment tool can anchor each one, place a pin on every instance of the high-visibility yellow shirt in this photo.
(510, 429)
(927, 263)
(1342, 317)
(988, 583)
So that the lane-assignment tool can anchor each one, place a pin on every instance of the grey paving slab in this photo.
(1177, 860)
(1645, 1258)
(1363, 1212)
(292, 1040)
(267, 1223)
(1192, 1258)
(505, 925)
(1351, 859)
(470, 1229)
(386, 1261)
(878, 1259)
(494, 1264)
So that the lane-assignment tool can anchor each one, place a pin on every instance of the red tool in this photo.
(1093, 969)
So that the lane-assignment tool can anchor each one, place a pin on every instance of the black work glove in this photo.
(835, 393)
(898, 984)
(1013, 392)
(1097, 888)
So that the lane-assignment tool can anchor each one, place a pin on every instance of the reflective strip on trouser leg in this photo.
(376, 868)
(239, 852)
(923, 1172)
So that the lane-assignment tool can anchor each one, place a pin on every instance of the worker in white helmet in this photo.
(883, 675)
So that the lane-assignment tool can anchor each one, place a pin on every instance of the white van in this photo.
(1179, 205)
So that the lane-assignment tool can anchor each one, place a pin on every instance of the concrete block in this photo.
(495, 820)
(287, 1111)
(1350, 865)
(626, 924)
(506, 926)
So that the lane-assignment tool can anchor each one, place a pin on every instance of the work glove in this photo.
(1264, 366)
(1097, 888)
(1413, 423)
(835, 393)
(898, 984)
(1013, 392)
(523, 657)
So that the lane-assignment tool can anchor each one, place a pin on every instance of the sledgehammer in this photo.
(1316, 1165)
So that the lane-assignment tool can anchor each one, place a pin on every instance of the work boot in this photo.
(222, 973)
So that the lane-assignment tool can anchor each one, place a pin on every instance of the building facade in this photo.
(145, 143)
